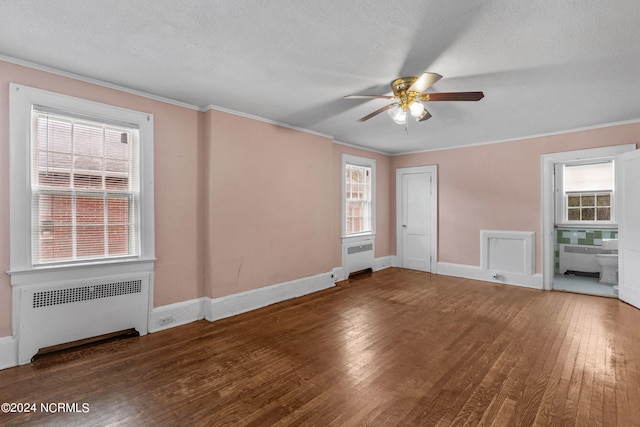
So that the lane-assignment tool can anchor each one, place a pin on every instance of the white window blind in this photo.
(358, 199)
(85, 182)
(589, 192)
(589, 177)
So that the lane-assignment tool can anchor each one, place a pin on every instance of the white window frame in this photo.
(348, 159)
(561, 197)
(21, 100)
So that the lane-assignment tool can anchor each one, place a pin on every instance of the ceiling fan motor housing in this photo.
(400, 87)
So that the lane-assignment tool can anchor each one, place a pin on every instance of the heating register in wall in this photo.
(57, 313)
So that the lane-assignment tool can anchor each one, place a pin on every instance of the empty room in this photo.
(319, 213)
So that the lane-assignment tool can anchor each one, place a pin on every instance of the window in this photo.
(81, 182)
(587, 191)
(85, 188)
(358, 183)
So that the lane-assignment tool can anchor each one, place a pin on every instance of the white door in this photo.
(415, 218)
(628, 204)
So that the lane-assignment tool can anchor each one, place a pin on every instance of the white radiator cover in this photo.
(357, 256)
(579, 258)
(503, 251)
(57, 313)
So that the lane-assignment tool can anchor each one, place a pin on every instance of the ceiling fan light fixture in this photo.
(421, 116)
(398, 115)
(417, 109)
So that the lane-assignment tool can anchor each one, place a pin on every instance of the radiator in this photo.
(580, 258)
(357, 256)
(58, 313)
(505, 251)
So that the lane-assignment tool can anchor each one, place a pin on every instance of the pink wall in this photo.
(176, 151)
(269, 209)
(497, 187)
(273, 204)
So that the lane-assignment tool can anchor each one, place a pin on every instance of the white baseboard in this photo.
(378, 264)
(383, 262)
(477, 273)
(8, 352)
(227, 306)
(631, 296)
(180, 313)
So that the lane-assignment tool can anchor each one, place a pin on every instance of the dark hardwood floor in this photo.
(397, 347)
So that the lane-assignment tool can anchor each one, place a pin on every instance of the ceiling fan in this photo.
(408, 97)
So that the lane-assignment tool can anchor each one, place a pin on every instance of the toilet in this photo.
(609, 262)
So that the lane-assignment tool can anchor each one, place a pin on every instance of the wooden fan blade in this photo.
(424, 82)
(368, 96)
(425, 116)
(453, 96)
(375, 113)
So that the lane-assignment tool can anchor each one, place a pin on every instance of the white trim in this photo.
(79, 271)
(230, 305)
(433, 170)
(8, 352)
(522, 138)
(547, 162)
(383, 262)
(96, 82)
(181, 313)
(629, 295)
(357, 161)
(477, 273)
(360, 147)
(378, 264)
(261, 119)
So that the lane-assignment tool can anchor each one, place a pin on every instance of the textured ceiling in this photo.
(545, 66)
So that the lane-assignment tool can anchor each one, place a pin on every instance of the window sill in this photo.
(358, 237)
(588, 226)
(60, 273)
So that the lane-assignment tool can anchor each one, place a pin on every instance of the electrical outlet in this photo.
(166, 320)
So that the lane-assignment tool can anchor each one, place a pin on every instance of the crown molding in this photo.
(96, 82)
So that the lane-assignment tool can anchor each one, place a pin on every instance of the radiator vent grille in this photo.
(358, 249)
(84, 293)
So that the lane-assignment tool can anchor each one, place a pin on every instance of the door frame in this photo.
(433, 186)
(628, 234)
(548, 199)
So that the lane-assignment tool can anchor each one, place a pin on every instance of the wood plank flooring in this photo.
(398, 347)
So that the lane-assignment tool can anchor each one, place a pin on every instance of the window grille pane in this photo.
(604, 214)
(573, 214)
(603, 199)
(53, 179)
(588, 200)
(588, 214)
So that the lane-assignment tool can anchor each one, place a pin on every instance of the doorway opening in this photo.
(571, 238)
